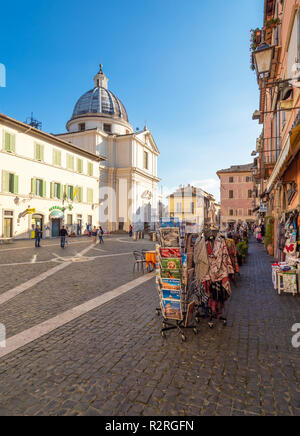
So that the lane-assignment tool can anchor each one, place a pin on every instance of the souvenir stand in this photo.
(174, 278)
(286, 274)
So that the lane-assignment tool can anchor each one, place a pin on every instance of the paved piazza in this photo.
(83, 338)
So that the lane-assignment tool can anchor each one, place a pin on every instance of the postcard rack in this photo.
(173, 280)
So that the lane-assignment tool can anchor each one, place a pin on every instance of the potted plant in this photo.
(269, 235)
(272, 23)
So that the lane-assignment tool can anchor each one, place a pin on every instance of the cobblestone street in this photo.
(112, 360)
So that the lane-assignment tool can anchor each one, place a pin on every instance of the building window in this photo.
(230, 212)
(9, 142)
(69, 220)
(146, 160)
(249, 179)
(231, 179)
(69, 190)
(81, 127)
(192, 207)
(38, 187)
(249, 212)
(90, 169)
(249, 193)
(10, 183)
(80, 166)
(230, 194)
(179, 208)
(107, 128)
(57, 158)
(56, 190)
(79, 194)
(89, 220)
(90, 195)
(70, 162)
(39, 152)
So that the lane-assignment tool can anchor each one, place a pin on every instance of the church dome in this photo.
(100, 101)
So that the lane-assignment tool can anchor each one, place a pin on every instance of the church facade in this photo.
(128, 185)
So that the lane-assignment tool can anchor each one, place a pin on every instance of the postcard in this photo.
(170, 295)
(170, 274)
(172, 310)
(168, 263)
(170, 253)
(171, 284)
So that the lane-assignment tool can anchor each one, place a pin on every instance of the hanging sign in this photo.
(263, 207)
(31, 211)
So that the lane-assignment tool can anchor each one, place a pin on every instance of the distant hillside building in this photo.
(236, 195)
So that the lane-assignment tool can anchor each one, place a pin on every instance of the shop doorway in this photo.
(8, 227)
(55, 227)
(37, 221)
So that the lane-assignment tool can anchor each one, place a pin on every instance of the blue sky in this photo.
(182, 67)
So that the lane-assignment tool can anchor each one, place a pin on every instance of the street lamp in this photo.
(263, 56)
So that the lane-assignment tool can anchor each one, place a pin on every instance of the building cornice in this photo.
(29, 130)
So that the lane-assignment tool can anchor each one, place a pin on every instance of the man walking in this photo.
(38, 235)
(101, 233)
(63, 234)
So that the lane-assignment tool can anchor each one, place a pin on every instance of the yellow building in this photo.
(192, 204)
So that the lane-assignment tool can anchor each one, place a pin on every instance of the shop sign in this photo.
(31, 211)
(263, 207)
(57, 208)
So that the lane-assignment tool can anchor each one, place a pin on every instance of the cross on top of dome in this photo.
(100, 79)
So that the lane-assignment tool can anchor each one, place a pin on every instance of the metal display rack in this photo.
(173, 282)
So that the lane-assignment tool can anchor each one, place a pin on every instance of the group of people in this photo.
(64, 233)
(98, 233)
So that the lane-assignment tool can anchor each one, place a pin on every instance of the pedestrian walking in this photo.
(94, 234)
(63, 235)
(130, 231)
(38, 235)
(258, 234)
(101, 233)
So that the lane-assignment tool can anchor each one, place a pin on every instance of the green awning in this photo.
(57, 214)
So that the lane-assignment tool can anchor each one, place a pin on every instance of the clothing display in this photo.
(200, 259)
(231, 246)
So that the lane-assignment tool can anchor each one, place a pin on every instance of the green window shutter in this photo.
(9, 142)
(39, 152)
(33, 186)
(90, 169)
(67, 191)
(13, 143)
(79, 195)
(79, 165)
(42, 153)
(71, 193)
(60, 191)
(36, 151)
(16, 184)
(44, 189)
(57, 157)
(70, 162)
(51, 190)
(90, 195)
(5, 181)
